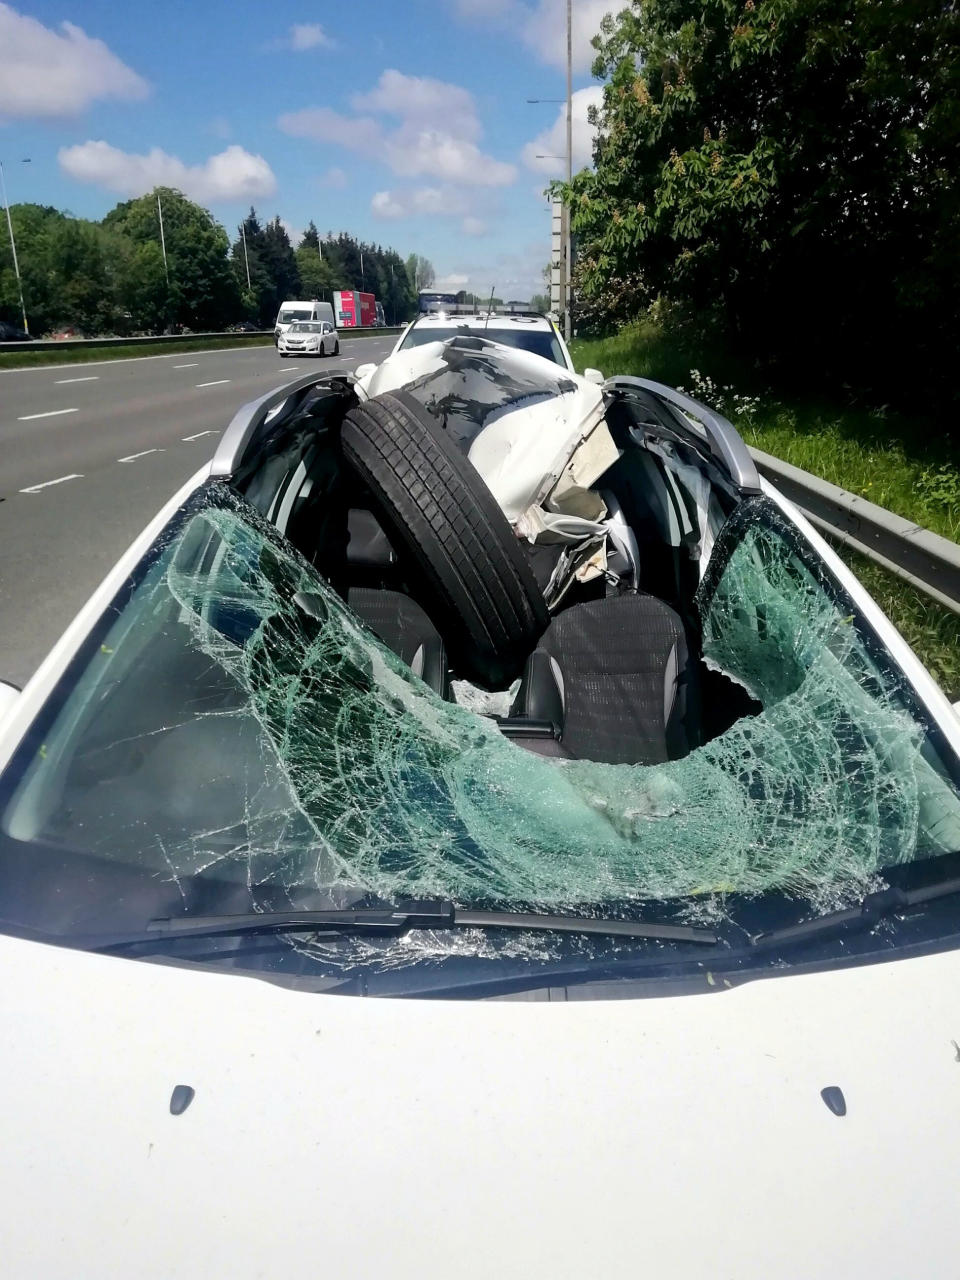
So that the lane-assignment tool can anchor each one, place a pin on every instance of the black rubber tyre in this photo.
(336, 347)
(480, 593)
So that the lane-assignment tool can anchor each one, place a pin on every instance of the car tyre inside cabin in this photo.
(477, 587)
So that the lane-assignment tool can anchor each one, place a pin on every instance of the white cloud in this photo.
(408, 202)
(542, 25)
(303, 36)
(335, 177)
(553, 141)
(293, 235)
(48, 74)
(233, 174)
(436, 136)
(512, 275)
(474, 227)
(383, 205)
(322, 124)
(423, 102)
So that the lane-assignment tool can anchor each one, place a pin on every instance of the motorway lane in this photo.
(57, 542)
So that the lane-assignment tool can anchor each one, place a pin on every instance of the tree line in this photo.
(784, 173)
(111, 277)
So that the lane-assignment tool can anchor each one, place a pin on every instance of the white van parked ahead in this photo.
(292, 311)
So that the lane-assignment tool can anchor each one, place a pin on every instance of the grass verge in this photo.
(931, 631)
(55, 354)
(908, 467)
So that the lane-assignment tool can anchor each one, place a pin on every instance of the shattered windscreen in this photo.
(239, 741)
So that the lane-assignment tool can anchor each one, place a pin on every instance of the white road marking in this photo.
(51, 413)
(168, 355)
(195, 365)
(62, 382)
(218, 383)
(142, 454)
(199, 434)
(35, 488)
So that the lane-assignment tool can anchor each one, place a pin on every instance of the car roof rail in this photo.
(724, 440)
(251, 417)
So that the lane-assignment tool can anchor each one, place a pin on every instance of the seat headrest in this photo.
(368, 546)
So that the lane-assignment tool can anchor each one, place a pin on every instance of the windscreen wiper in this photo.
(868, 912)
(391, 921)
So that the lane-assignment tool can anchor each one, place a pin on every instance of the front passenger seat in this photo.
(617, 678)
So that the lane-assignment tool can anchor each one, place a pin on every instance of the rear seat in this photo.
(394, 617)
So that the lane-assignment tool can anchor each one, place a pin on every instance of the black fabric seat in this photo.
(617, 678)
(370, 557)
(404, 627)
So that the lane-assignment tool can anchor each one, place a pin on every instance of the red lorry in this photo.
(354, 309)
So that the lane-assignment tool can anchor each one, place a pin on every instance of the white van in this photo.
(293, 310)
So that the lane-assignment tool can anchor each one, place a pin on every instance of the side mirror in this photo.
(594, 375)
(363, 370)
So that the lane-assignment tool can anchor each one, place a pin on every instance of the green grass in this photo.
(55, 354)
(932, 632)
(909, 467)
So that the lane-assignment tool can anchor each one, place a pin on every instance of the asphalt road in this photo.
(90, 452)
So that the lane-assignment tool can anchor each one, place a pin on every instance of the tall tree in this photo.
(317, 279)
(259, 298)
(279, 260)
(311, 237)
(203, 290)
(791, 167)
(420, 271)
(33, 227)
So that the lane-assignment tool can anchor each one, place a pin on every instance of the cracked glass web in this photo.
(240, 726)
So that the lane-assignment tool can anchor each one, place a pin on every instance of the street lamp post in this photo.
(568, 245)
(13, 246)
(246, 260)
(566, 283)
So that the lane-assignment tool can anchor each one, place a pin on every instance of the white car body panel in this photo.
(480, 326)
(530, 1138)
(8, 697)
(522, 455)
(678, 1136)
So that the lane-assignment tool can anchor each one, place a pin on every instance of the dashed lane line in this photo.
(195, 365)
(62, 382)
(51, 413)
(132, 457)
(218, 383)
(199, 434)
(35, 488)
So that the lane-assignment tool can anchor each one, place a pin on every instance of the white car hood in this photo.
(678, 1136)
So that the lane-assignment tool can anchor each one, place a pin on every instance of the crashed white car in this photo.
(524, 699)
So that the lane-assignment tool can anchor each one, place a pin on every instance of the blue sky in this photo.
(403, 122)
